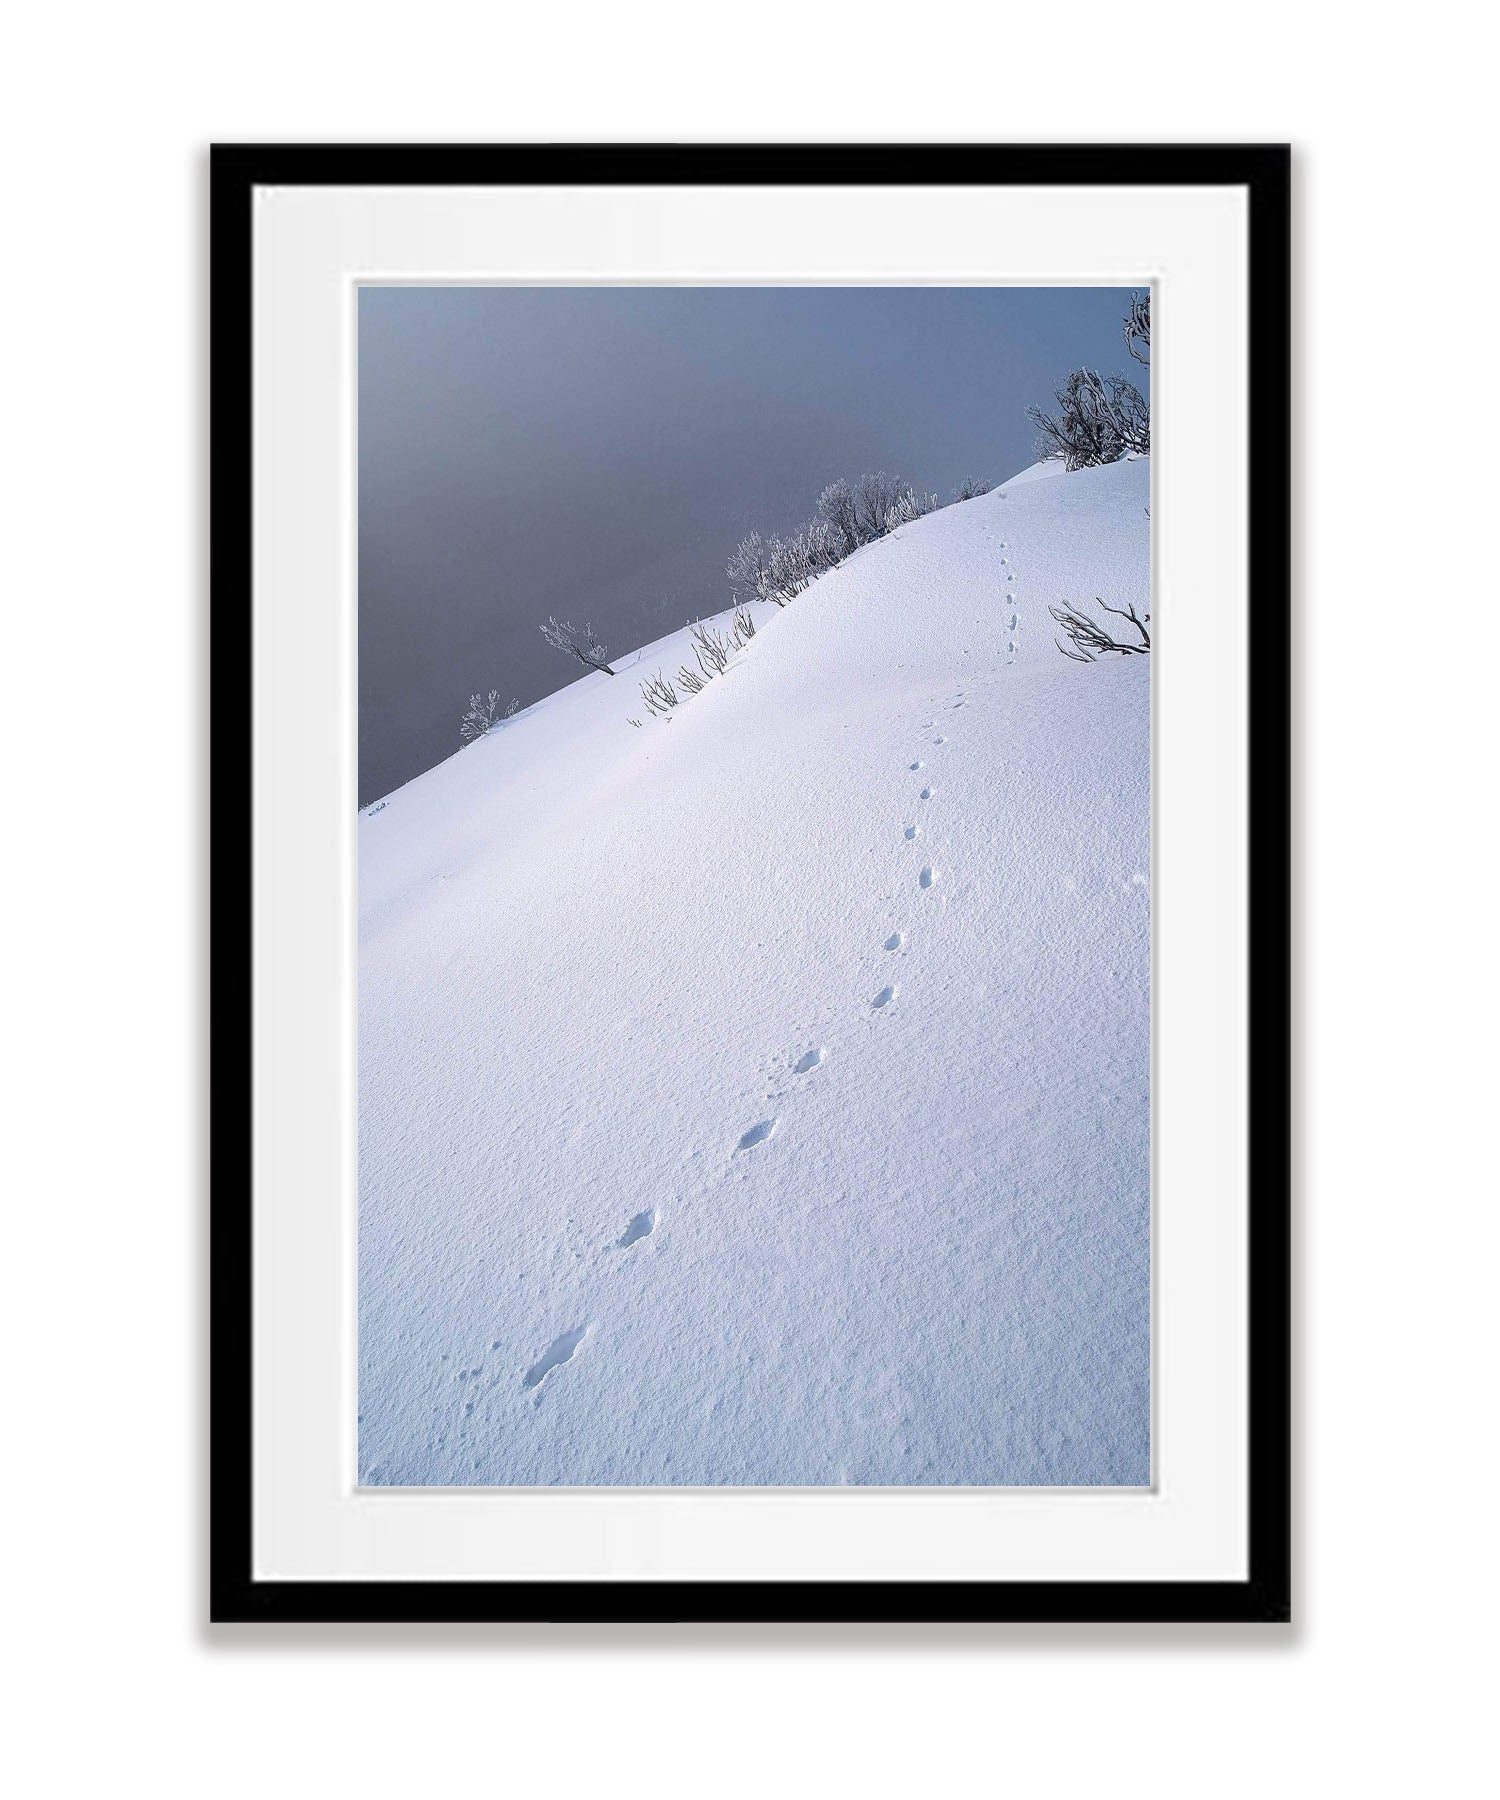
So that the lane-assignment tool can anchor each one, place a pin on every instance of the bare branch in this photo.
(1089, 638)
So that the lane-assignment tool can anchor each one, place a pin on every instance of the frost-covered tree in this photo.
(1099, 420)
(578, 641)
(874, 496)
(1138, 328)
(482, 714)
(837, 510)
(971, 489)
(749, 568)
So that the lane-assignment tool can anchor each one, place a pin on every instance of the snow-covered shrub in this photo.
(909, 506)
(749, 569)
(776, 568)
(579, 641)
(659, 694)
(1090, 640)
(971, 489)
(690, 680)
(712, 649)
(744, 627)
(798, 560)
(1100, 419)
(481, 715)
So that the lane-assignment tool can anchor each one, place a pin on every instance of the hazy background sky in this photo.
(598, 452)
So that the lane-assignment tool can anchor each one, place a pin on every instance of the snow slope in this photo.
(762, 1098)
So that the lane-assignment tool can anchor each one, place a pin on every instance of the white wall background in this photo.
(1378, 1689)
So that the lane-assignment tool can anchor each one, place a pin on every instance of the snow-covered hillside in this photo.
(763, 1097)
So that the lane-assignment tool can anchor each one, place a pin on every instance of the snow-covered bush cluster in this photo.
(482, 714)
(1100, 418)
(712, 650)
(777, 569)
(909, 506)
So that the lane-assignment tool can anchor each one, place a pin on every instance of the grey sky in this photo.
(598, 452)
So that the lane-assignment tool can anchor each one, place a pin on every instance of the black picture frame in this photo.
(235, 1594)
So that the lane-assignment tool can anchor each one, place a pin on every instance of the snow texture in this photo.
(714, 1128)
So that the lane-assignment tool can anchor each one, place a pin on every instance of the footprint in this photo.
(895, 940)
(884, 997)
(926, 878)
(926, 793)
(911, 832)
(757, 1134)
(940, 740)
(810, 1061)
(557, 1353)
(918, 763)
(642, 1225)
(1015, 620)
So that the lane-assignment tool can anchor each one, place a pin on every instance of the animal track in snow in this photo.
(926, 878)
(803, 1064)
(895, 940)
(642, 1225)
(926, 794)
(556, 1353)
(918, 763)
(940, 740)
(884, 997)
(757, 1134)
(911, 832)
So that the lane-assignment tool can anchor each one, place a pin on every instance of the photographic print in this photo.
(754, 886)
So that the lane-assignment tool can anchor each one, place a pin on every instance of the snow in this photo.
(762, 1097)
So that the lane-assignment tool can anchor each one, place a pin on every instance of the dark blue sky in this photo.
(598, 452)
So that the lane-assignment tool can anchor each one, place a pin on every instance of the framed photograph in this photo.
(750, 852)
